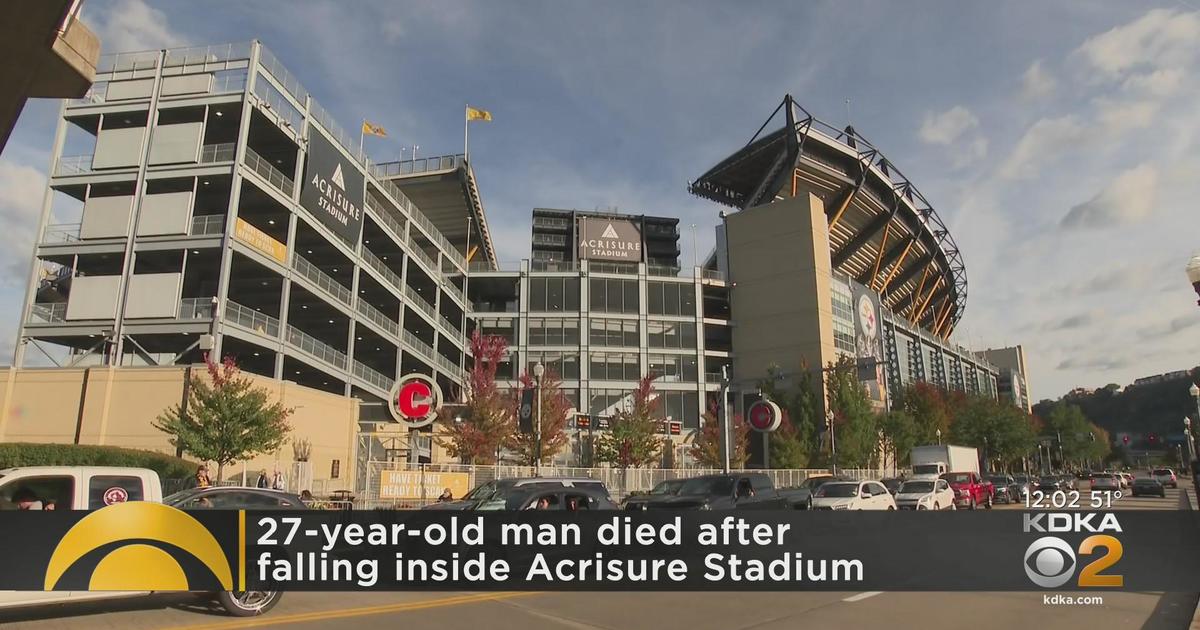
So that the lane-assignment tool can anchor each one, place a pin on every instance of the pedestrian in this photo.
(277, 481)
(202, 480)
(446, 495)
(263, 481)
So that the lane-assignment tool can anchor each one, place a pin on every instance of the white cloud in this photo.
(1130, 198)
(1043, 141)
(948, 126)
(21, 191)
(1160, 83)
(132, 25)
(1160, 38)
(1037, 82)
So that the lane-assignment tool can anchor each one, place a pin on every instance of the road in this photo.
(659, 611)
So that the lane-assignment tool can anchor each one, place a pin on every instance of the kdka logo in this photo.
(138, 546)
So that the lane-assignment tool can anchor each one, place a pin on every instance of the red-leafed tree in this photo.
(555, 407)
(633, 437)
(706, 448)
(475, 431)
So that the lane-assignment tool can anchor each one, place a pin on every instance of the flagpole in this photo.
(466, 125)
(362, 134)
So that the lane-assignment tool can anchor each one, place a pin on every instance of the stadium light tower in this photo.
(1193, 273)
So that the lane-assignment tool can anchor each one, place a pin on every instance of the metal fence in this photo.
(620, 482)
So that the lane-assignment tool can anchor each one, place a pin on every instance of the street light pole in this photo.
(538, 371)
(939, 437)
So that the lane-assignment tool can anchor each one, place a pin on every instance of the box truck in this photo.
(931, 462)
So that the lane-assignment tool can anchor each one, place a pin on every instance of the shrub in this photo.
(28, 454)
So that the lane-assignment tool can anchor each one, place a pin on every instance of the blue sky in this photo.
(1058, 140)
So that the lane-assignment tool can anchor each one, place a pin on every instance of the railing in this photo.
(613, 267)
(503, 265)
(662, 271)
(49, 312)
(551, 222)
(61, 233)
(322, 280)
(277, 104)
(228, 81)
(73, 165)
(448, 366)
(252, 319)
(315, 347)
(556, 265)
(419, 217)
(414, 341)
(224, 152)
(269, 62)
(385, 215)
(373, 376)
(377, 317)
(421, 165)
(713, 274)
(450, 325)
(263, 168)
(453, 289)
(94, 95)
(127, 62)
(381, 268)
(415, 298)
(196, 308)
(415, 250)
(208, 224)
(554, 240)
(509, 306)
(207, 54)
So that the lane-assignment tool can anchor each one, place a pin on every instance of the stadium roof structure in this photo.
(882, 230)
(445, 190)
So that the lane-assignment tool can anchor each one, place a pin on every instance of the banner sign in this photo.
(408, 484)
(868, 340)
(609, 239)
(260, 241)
(138, 545)
(333, 189)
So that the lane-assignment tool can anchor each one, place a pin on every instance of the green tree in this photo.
(899, 431)
(793, 443)
(227, 418)
(787, 448)
(1080, 440)
(475, 431)
(555, 407)
(930, 409)
(1001, 431)
(633, 438)
(706, 448)
(854, 419)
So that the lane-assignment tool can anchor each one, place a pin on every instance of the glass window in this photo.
(555, 301)
(654, 297)
(537, 294)
(631, 296)
(671, 334)
(108, 489)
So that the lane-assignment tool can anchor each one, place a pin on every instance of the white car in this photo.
(925, 494)
(853, 495)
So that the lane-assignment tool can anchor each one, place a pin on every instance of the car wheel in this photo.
(810, 503)
(248, 603)
(891, 507)
(972, 503)
(988, 505)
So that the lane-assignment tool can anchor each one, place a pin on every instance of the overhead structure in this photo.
(882, 230)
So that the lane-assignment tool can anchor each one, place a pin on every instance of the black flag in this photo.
(526, 415)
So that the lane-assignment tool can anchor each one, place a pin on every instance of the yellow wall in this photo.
(116, 407)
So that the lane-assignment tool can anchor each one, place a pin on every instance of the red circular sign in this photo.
(764, 416)
(115, 494)
(415, 400)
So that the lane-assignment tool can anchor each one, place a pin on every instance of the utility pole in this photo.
(725, 418)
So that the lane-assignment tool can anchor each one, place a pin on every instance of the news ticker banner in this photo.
(148, 546)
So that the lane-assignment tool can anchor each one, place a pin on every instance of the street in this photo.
(660, 611)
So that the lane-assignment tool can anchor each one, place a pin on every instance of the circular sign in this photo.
(115, 494)
(415, 400)
(764, 416)
(866, 317)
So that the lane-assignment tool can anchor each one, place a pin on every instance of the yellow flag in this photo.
(374, 130)
(478, 114)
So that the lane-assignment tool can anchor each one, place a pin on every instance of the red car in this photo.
(970, 490)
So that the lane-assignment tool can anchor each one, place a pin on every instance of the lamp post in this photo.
(538, 371)
(939, 437)
(1187, 438)
(986, 469)
(1194, 390)
(1193, 274)
(832, 440)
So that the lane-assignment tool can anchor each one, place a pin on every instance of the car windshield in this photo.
(958, 478)
(1145, 482)
(913, 487)
(1162, 471)
(812, 483)
(667, 487)
(838, 490)
(707, 486)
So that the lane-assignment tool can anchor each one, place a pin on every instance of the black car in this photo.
(1049, 484)
(667, 488)
(494, 494)
(1148, 487)
(1005, 488)
(551, 497)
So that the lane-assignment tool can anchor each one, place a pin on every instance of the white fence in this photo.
(620, 482)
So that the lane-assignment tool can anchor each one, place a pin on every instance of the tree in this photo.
(900, 432)
(227, 418)
(786, 446)
(792, 444)
(555, 406)
(475, 431)
(854, 419)
(706, 448)
(930, 409)
(1080, 440)
(632, 437)
(1001, 431)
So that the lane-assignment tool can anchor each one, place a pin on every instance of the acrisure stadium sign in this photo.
(609, 239)
(333, 188)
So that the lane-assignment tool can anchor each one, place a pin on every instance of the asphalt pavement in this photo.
(656, 611)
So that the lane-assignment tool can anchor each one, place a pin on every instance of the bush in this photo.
(27, 454)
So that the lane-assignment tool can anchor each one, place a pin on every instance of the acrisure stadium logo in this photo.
(137, 546)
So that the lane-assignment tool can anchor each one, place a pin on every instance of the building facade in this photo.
(1012, 383)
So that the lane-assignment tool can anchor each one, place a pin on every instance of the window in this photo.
(680, 335)
(671, 298)
(565, 365)
(500, 326)
(108, 489)
(553, 332)
(843, 336)
(614, 332)
(613, 295)
(842, 302)
(553, 295)
(681, 407)
(615, 366)
(606, 402)
(59, 490)
(673, 367)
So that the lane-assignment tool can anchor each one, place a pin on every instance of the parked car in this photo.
(970, 490)
(555, 497)
(668, 488)
(1166, 477)
(1148, 487)
(1005, 488)
(1049, 484)
(925, 494)
(853, 495)
(1025, 483)
(892, 484)
(1126, 479)
(1105, 483)
(804, 494)
(742, 491)
(94, 487)
(493, 495)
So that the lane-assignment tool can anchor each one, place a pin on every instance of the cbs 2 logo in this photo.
(1050, 562)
